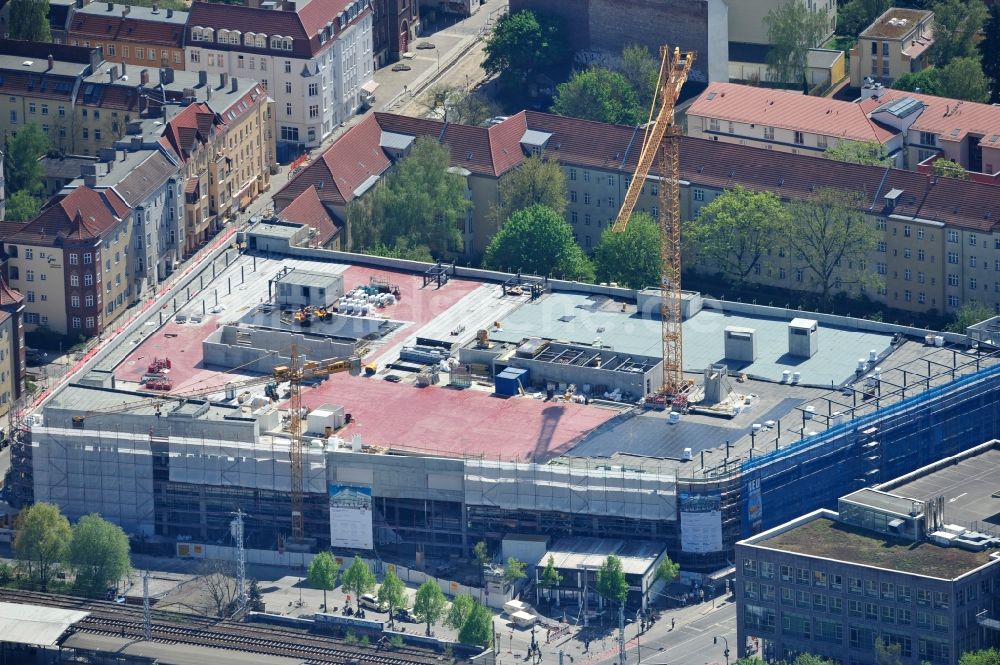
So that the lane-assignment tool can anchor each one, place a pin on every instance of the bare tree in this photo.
(217, 580)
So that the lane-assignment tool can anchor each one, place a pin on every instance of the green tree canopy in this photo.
(24, 171)
(402, 250)
(538, 181)
(832, 237)
(793, 29)
(322, 573)
(477, 627)
(949, 169)
(956, 28)
(667, 570)
(642, 71)
(970, 314)
(522, 45)
(887, 653)
(538, 241)
(42, 541)
(482, 553)
(550, 575)
(455, 104)
(858, 152)
(21, 207)
(598, 94)
(514, 571)
(429, 603)
(419, 204)
(630, 258)
(99, 554)
(358, 579)
(989, 51)
(856, 15)
(392, 593)
(29, 20)
(925, 81)
(963, 78)
(460, 610)
(611, 582)
(736, 229)
(983, 657)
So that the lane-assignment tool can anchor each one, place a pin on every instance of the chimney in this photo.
(111, 6)
(166, 75)
(223, 79)
(170, 12)
(51, 61)
(144, 77)
(208, 94)
(123, 69)
(96, 58)
(113, 74)
(89, 173)
(125, 11)
(134, 140)
(235, 84)
(156, 10)
(202, 77)
(106, 154)
(78, 4)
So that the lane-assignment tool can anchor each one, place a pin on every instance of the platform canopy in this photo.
(34, 624)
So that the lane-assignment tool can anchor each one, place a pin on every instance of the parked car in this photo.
(406, 616)
(370, 602)
(393, 378)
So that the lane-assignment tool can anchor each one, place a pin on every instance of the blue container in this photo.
(509, 382)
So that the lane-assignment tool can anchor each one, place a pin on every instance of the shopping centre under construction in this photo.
(488, 405)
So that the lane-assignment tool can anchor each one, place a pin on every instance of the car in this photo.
(370, 602)
(406, 616)
(393, 378)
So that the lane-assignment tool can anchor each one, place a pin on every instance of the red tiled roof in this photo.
(9, 296)
(350, 160)
(81, 214)
(45, 86)
(943, 116)
(189, 128)
(778, 108)
(114, 27)
(307, 209)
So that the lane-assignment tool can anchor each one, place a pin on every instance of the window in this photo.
(699, 194)
(90, 322)
(907, 275)
(140, 53)
(953, 258)
(572, 196)
(928, 138)
(572, 174)
(289, 133)
(74, 301)
(29, 253)
(881, 268)
(836, 582)
(713, 124)
(31, 317)
(586, 198)
(611, 181)
(785, 573)
(74, 259)
(195, 55)
(952, 236)
(973, 284)
(74, 280)
(31, 296)
(314, 111)
(952, 280)
(76, 322)
(800, 138)
(573, 217)
(88, 279)
(313, 89)
(920, 255)
(907, 253)
(88, 258)
(288, 66)
(766, 570)
(288, 108)
(88, 300)
(288, 87)
(29, 275)
(45, 109)
(586, 176)
(32, 109)
(952, 301)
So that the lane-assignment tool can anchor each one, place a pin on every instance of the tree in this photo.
(482, 553)
(667, 570)
(887, 653)
(429, 604)
(358, 579)
(832, 237)
(736, 230)
(538, 241)
(793, 29)
(21, 207)
(810, 659)
(989, 51)
(926, 81)
(956, 28)
(29, 20)
(963, 78)
(983, 657)
(392, 593)
(218, 581)
(550, 577)
(455, 104)
(99, 554)
(642, 71)
(598, 94)
(402, 250)
(969, 315)
(476, 629)
(858, 152)
(538, 181)
(461, 607)
(419, 203)
(42, 541)
(24, 171)
(856, 15)
(514, 571)
(945, 168)
(630, 258)
(611, 582)
(520, 46)
(255, 599)
(322, 573)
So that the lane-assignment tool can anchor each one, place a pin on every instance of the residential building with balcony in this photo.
(905, 562)
(314, 58)
(139, 36)
(72, 262)
(898, 42)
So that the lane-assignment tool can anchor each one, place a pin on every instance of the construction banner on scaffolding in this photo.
(351, 517)
(701, 522)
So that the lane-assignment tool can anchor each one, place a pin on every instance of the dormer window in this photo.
(199, 34)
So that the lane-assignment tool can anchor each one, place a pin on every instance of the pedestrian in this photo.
(672, 623)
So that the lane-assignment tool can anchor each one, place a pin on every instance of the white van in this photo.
(523, 619)
(370, 602)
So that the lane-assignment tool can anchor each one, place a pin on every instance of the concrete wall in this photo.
(267, 348)
(397, 476)
(636, 384)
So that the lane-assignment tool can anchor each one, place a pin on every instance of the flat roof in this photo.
(35, 624)
(171, 654)
(894, 23)
(899, 505)
(637, 556)
(310, 278)
(828, 539)
(967, 486)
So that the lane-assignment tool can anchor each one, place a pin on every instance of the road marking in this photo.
(952, 500)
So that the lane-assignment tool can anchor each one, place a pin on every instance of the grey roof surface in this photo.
(34, 624)
(637, 556)
(135, 12)
(967, 487)
(94, 400)
(583, 319)
(41, 65)
(881, 500)
(309, 278)
(135, 176)
(396, 141)
(533, 137)
(268, 230)
(171, 654)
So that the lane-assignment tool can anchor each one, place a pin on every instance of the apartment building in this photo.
(12, 360)
(394, 27)
(903, 562)
(71, 262)
(314, 58)
(3, 187)
(139, 36)
(898, 42)
(912, 127)
(226, 151)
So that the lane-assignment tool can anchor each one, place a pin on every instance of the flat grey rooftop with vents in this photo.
(637, 556)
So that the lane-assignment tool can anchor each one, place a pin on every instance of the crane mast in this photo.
(661, 140)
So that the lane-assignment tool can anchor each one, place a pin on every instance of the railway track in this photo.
(112, 619)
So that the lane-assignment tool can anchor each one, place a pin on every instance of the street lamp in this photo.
(715, 640)
(638, 645)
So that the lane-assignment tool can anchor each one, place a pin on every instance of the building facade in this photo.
(12, 349)
(138, 36)
(313, 58)
(394, 27)
(897, 43)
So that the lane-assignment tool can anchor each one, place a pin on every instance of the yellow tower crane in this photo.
(661, 138)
